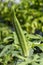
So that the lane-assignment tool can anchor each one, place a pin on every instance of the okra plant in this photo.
(21, 32)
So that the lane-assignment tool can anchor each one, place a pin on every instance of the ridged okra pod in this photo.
(22, 39)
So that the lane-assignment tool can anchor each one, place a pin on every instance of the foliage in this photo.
(19, 42)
